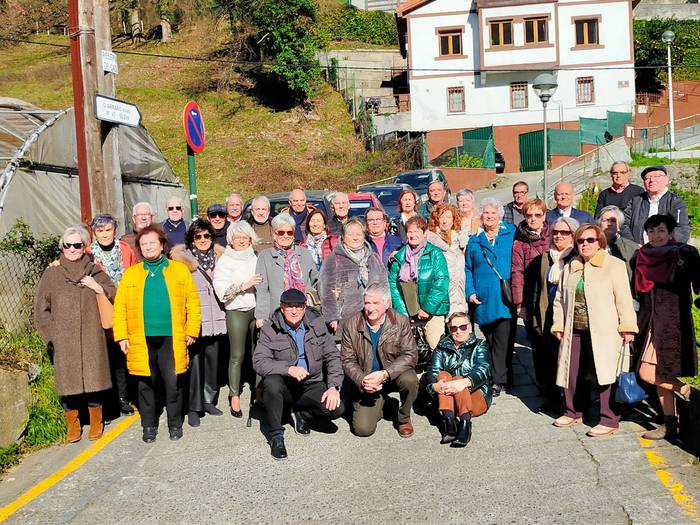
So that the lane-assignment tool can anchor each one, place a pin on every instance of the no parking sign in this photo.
(193, 123)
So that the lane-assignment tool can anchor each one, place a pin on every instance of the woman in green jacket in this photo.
(419, 281)
(460, 375)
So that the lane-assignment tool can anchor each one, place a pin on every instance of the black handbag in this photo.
(424, 351)
(506, 291)
(628, 390)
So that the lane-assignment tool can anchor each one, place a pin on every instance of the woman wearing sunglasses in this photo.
(66, 315)
(282, 267)
(200, 254)
(235, 280)
(460, 376)
(593, 319)
(549, 266)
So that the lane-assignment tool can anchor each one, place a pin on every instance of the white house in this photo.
(471, 64)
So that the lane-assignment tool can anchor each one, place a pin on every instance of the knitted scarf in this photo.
(206, 260)
(292, 268)
(315, 246)
(361, 258)
(109, 260)
(655, 265)
(558, 258)
(409, 269)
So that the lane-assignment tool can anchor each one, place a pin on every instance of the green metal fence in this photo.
(531, 147)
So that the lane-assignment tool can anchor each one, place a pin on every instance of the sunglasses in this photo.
(283, 233)
(198, 236)
(173, 208)
(74, 245)
(534, 215)
(564, 233)
(459, 328)
(218, 214)
(588, 240)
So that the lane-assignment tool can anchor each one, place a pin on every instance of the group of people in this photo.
(320, 314)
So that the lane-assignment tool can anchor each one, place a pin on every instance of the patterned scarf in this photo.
(409, 269)
(206, 260)
(292, 269)
(110, 261)
(360, 257)
(315, 247)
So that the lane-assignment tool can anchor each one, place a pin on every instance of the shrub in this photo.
(351, 24)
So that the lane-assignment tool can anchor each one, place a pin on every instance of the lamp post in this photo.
(545, 84)
(668, 37)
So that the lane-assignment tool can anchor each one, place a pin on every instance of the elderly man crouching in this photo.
(293, 350)
(379, 355)
(460, 375)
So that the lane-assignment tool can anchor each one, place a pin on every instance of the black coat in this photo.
(609, 197)
(637, 212)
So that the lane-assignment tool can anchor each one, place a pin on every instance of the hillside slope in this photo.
(251, 146)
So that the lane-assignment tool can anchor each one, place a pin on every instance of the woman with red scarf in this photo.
(664, 272)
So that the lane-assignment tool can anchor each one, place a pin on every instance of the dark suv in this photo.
(419, 180)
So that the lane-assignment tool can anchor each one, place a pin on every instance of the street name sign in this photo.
(117, 111)
(109, 62)
(193, 124)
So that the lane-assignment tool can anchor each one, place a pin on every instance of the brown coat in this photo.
(397, 347)
(610, 312)
(66, 316)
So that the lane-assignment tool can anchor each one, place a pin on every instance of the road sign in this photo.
(117, 111)
(193, 123)
(109, 62)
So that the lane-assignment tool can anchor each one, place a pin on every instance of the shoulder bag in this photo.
(628, 391)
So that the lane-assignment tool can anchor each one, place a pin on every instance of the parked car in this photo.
(419, 180)
(279, 201)
(500, 162)
(388, 196)
(359, 203)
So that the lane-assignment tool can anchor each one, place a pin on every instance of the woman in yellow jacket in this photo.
(156, 317)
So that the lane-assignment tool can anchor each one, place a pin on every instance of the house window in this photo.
(455, 100)
(450, 42)
(585, 93)
(535, 30)
(586, 31)
(501, 32)
(518, 95)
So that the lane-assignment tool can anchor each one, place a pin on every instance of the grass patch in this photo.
(9, 456)
(646, 160)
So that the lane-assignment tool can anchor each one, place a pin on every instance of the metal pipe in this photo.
(544, 137)
(672, 127)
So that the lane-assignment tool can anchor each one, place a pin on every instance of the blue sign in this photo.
(193, 124)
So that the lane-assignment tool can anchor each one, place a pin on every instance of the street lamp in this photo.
(667, 38)
(545, 84)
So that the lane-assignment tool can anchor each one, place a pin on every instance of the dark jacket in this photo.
(433, 281)
(396, 350)
(527, 246)
(276, 350)
(426, 208)
(637, 212)
(542, 296)
(583, 217)
(335, 226)
(391, 244)
(623, 249)
(174, 232)
(340, 271)
(476, 364)
(609, 197)
(220, 235)
(512, 215)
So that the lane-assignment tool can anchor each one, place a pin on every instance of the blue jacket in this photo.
(391, 244)
(482, 280)
(581, 216)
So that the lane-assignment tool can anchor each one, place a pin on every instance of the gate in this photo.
(531, 146)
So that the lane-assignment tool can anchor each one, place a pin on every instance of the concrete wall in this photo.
(470, 178)
(679, 11)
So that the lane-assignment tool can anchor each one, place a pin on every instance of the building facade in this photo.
(472, 64)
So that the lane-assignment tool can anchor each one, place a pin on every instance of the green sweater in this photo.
(156, 301)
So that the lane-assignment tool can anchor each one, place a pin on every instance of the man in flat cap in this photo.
(656, 200)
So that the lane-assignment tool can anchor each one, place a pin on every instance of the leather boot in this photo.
(73, 426)
(96, 425)
(464, 433)
(449, 429)
(668, 429)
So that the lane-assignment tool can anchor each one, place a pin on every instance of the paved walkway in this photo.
(517, 469)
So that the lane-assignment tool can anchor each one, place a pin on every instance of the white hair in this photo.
(491, 202)
(379, 289)
(260, 198)
(611, 209)
(72, 230)
(142, 204)
(174, 198)
(340, 194)
(283, 218)
(232, 196)
(244, 228)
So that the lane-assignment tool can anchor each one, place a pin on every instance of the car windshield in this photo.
(418, 181)
(388, 197)
(358, 208)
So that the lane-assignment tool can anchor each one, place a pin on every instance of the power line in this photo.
(364, 68)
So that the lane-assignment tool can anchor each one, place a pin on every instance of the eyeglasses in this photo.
(283, 233)
(74, 245)
(564, 233)
(381, 219)
(459, 328)
(586, 240)
(518, 192)
(293, 306)
(618, 172)
(534, 215)
(173, 208)
(609, 219)
(655, 176)
(198, 236)
(217, 215)
(143, 215)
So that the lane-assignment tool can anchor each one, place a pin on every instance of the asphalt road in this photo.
(517, 469)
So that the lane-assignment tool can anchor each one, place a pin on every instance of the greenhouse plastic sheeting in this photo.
(478, 133)
(617, 121)
(593, 130)
(564, 142)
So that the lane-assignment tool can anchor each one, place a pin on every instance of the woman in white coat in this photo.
(234, 283)
(594, 319)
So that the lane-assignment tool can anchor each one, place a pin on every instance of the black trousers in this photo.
(79, 401)
(161, 362)
(500, 336)
(304, 397)
(117, 366)
(204, 371)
